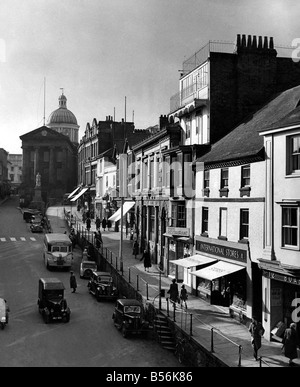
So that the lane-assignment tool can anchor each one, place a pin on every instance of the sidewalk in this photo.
(205, 316)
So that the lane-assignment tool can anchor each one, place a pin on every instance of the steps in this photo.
(164, 333)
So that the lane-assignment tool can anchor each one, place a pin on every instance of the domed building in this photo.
(63, 121)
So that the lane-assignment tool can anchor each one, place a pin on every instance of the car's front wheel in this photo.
(124, 331)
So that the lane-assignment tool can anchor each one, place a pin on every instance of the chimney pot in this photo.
(238, 40)
(254, 42)
(244, 40)
(260, 42)
(265, 42)
(271, 43)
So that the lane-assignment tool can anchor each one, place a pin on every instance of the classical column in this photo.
(36, 162)
(51, 165)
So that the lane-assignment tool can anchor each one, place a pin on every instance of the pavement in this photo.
(212, 326)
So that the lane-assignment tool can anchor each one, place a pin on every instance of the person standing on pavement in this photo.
(257, 331)
(135, 249)
(173, 291)
(147, 260)
(183, 296)
(104, 223)
(290, 343)
(73, 282)
(88, 224)
(98, 223)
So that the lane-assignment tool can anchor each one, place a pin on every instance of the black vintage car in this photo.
(129, 317)
(51, 302)
(101, 286)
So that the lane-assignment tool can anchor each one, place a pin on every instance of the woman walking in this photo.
(147, 260)
(290, 343)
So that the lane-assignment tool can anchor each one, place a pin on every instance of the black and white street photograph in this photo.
(149, 186)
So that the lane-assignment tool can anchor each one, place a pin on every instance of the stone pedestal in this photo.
(37, 202)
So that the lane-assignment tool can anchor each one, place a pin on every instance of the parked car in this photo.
(51, 302)
(101, 285)
(29, 214)
(129, 317)
(36, 226)
(4, 309)
(87, 268)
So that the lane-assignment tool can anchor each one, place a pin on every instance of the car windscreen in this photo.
(132, 309)
(90, 265)
(54, 295)
(105, 279)
(60, 249)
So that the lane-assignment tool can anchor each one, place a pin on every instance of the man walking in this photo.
(73, 282)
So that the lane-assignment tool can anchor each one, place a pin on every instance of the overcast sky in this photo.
(101, 51)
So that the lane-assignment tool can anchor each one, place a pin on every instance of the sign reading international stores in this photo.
(222, 251)
(178, 231)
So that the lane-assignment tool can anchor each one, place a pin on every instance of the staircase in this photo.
(164, 333)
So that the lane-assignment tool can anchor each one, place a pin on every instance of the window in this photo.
(224, 182)
(152, 223)
(290, 227)
(293, 152)
(188, 127)
(152, 182)
(206, 183)
(223, 224)
(199, 128)
(178, 215)
(145, 173)
(204, 230)
(245, 181)
(244, 224)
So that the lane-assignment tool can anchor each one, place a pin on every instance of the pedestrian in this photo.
(73, 282)
(98, 223)
(108, 224)
(104, 223)
(183, 296)
(88, 224)
(290, 344)
(257, 331)
(98, 239)
(135, 250)
(147, 260)
(83, 217)
(173, 291)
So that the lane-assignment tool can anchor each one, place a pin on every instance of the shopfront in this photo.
(281, 302)
(223, 282)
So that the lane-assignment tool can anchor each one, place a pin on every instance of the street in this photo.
(89, 339)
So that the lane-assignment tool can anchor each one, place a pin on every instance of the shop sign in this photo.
(222, 251)
(178, 231)
(281, 277)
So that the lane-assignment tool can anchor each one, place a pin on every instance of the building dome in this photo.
(62, 115)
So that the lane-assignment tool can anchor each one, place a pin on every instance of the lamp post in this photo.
(121, 236)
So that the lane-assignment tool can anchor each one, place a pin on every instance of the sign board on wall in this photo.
(178, 231)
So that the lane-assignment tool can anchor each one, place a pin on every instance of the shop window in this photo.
(290, 227)
(224, 182)
(244, 225)
(245, 181)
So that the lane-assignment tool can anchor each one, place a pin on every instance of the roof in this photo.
(244, 140)
(52, 283)
(62, 116)
(127, 301)
(57, 237)
(292, 118)
(102, 273)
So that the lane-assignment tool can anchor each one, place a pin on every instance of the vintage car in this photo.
(4, 309)
(51, 302)
(87, 268)
(36, 226)
(101, 286)
(29, 214)
(129, 317)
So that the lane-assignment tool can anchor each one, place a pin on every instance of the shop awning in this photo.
(117, 215)
(219, 269)
(193, 261)
(74, 192)
(78, 195)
